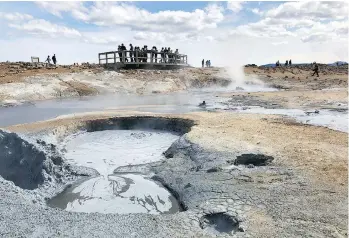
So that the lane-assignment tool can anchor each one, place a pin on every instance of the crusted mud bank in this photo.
(61, 84)
(31, 164)
(234, 180)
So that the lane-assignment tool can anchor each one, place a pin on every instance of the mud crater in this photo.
(220, 223)
(106, 145)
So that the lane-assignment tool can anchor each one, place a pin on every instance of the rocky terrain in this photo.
(235, 176)
(24, 82)
(299, 77)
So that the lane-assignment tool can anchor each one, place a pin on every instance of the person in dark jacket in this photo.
(203, 63)
(132, 54)
(123, 48)
(54, 60)
(155, 54)
(162, 55)
(165, 54)
(169, 52)
(316, 69)
(119, 53)
(136, 54)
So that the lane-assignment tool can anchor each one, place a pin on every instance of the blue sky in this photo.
(255, 31)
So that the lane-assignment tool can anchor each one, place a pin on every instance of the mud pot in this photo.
(116, 193)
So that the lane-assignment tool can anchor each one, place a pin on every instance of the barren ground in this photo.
(289, 198)
(303, 192)
(21, 83)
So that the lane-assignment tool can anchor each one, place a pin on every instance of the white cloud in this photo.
(307, 21)
(45, 28)
(102, 40)
(56, 8)
(263, 28)
(284, 20)
(110, 14)
(310, 10)
(318, 37)
(15, 16)
(321, 32)
(256, 11)
(280, 43)
(314, 33)
(234, 6)
(162, 37)
(209, 38)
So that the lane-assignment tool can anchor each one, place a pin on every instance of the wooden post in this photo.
(123, 56)
(114, 57)
(136, 55)
(106, 58)
(99, 59)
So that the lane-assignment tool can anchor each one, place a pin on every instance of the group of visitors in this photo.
(54, 60)
(207, 63)
(287, 63)
(137, 54)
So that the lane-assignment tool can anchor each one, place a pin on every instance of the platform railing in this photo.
(141, 57)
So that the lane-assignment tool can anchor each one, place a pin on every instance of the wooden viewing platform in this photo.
(157, 60)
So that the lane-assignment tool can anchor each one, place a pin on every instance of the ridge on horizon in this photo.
(330, 64)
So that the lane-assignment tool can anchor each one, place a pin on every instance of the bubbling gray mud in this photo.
(116, 193)
(121, 193)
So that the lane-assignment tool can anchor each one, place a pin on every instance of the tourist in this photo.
(203, 63)
(290, 62)
(136, 53)
(120, 54)
(48, 60)
(286, 63)
(177, 56)
(145, 53)
(316, 69)
(165, 54)
(162, 54)
(155, 54)
(132, 54)
(123, 48)
(169, 56)
(54, 59)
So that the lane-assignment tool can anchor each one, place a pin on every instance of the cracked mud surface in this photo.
(289, 197)
(321, 99)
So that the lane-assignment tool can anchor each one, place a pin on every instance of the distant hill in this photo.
(332, 64)
(273, 65)
(339, 63)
